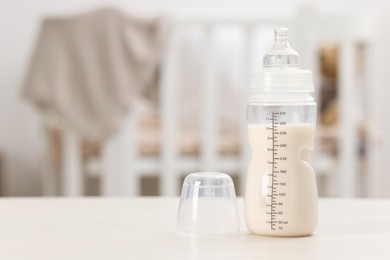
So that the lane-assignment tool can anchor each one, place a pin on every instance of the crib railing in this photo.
(121, 163)
(171, 164)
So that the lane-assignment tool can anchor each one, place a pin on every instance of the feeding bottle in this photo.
(281, 193)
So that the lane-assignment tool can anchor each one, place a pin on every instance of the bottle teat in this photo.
(281, 71)
(281, 54)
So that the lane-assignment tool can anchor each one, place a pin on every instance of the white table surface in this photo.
(144, 228)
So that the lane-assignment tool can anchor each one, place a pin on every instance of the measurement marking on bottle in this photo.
(273, 171)
(276, 194)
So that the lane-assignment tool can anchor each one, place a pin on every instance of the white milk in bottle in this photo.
(281, 194)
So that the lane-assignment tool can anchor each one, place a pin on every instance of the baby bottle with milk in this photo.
(281, 193)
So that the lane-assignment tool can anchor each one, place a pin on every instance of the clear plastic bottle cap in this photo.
(208, 206)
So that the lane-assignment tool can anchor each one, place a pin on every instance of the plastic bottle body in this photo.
(281, 193)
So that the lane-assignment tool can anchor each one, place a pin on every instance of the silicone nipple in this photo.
(281, 54)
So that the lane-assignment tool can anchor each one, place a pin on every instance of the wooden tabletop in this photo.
(144, 228)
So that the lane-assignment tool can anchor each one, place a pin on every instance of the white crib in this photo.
(121, 163)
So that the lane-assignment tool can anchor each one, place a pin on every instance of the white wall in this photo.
(21, 142)
(379, 105)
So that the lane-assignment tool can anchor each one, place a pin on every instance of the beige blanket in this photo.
(88, 69)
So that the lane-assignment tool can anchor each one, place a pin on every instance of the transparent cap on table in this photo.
(208, 206)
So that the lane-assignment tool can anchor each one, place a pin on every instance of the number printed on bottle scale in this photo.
(277, 188)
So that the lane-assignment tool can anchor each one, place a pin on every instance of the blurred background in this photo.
(125, 98)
